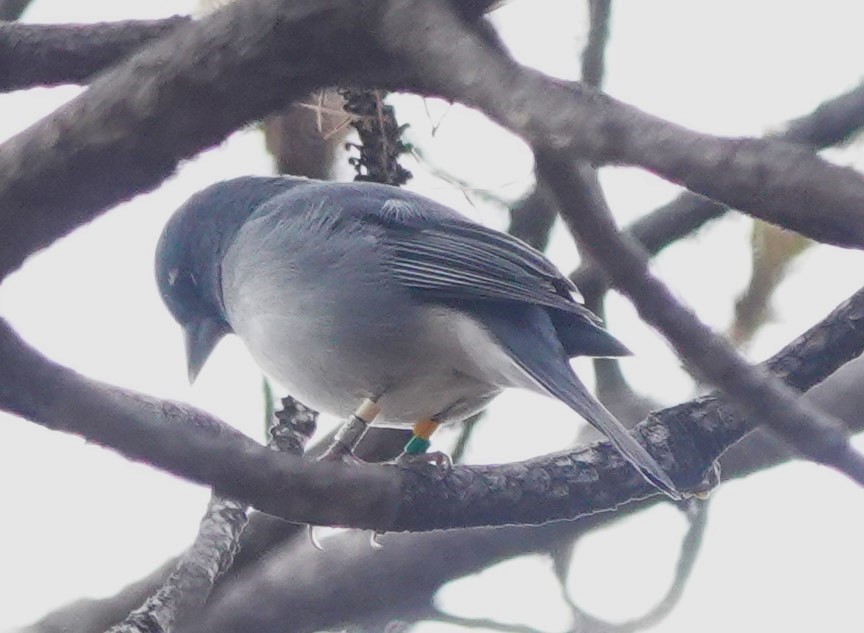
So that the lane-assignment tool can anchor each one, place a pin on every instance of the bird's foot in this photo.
(434, 458)
(340, 453)
(708, 485)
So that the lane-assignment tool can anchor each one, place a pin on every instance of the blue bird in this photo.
(347, 293)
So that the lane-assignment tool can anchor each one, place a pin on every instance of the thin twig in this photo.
(594, 53)
(691, 546)
(464, 438)
(436, 615)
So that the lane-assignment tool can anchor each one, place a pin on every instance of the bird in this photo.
(356, 292)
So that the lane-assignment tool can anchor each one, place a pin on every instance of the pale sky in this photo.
(783, 550)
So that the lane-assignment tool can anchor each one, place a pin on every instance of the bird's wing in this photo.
(528, 336)
(459, 260)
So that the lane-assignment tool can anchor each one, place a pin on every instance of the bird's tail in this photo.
(578, 398)
(528, 335)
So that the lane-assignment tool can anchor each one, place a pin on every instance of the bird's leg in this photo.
(343, 445)
(419, 442)
(416, 448)
(352, 431)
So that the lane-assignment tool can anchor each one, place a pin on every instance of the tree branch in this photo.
(802, 364)
(48, 55)
(777, 182)
(181, 440)
(13, 9)
(832, 123)
(594, 53)
(187, 588)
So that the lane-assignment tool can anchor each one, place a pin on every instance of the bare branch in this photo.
(593, 56)
(691, 545)
(188, 586)
(181, 440)
(690, 548)
(436, 615)
(186, 441)
(834, 122)
(777, 182)
(532, 217)
(48, 55)
(138, 121)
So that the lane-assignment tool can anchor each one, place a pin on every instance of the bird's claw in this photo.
(346, 456)
(434, 458)
(375, 541)
(313, 537)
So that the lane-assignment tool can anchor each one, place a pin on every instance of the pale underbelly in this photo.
(444, 369)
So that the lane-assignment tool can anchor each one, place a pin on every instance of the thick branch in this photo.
(46, 55)
(392, 588)
(136, 122)
(188, 443)
(781, 183)
(801, 364)
(187, 587)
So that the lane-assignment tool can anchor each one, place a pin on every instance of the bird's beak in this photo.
(201, 338)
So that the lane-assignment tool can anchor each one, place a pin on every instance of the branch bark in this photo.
(53, 54)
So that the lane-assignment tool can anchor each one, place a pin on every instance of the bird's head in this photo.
(189, 258)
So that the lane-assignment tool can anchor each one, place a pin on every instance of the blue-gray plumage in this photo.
(354, 291)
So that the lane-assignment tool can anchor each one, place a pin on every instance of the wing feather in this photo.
(455, 260)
